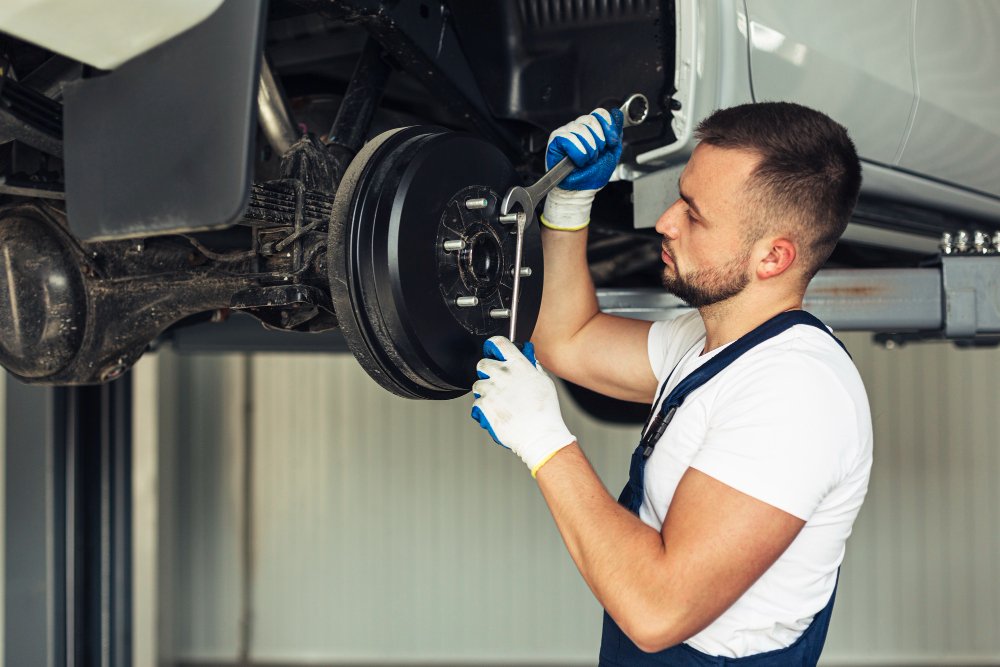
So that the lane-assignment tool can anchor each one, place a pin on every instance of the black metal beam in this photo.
(68, 578)
(34, 548)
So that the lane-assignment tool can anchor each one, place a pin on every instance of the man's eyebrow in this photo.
(688, 200)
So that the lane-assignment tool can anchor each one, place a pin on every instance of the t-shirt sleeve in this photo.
(783, 430)
(669, 339)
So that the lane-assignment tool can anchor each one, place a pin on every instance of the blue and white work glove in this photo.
(594, 144)
(516, 402)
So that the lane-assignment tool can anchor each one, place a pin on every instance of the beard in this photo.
(706, 287)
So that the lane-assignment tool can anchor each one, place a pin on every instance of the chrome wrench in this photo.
(518, 205)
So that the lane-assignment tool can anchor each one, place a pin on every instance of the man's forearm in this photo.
(568, 298)
(618, 555)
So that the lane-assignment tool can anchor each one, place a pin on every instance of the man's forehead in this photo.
(712, 165)
(716, 177)
(733, 161)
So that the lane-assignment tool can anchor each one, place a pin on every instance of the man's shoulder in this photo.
(670, 339)
(688, 322)
(805, 362)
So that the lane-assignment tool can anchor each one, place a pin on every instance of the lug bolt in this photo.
(500, 313)
(979, 241)
(475, 204)
(962, 241)
(525, 271)
(454, 245)
(467, 301)
(947, 244)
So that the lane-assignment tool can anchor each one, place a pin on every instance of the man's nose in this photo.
(667, 225)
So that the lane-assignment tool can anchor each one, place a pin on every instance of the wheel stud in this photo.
(454, 245)
(467, 301)
(500, 313)
(476, 204)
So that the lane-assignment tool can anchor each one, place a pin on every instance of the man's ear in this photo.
(780, 255)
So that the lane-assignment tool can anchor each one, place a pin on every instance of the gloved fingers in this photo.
(572, 145)
(611, 123)
(591, 136)
(484, 423)
(506, 350)
(491, 351)
(594, 138)
(488, 368)
(570, 133)
(591, 122)
(528, 350)
(618, 121)
(480, 388)
(575, 140)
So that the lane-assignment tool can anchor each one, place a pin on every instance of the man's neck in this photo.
(728, 320)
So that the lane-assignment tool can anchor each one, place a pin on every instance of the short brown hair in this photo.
(809, 172)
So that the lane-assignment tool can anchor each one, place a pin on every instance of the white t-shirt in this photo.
(787, 423)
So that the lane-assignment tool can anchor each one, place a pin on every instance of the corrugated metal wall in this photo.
(921, 584)
(386, 530)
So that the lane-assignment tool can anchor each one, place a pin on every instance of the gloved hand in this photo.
(516, 402)
(594, 144)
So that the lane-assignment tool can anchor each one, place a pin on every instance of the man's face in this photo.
(705, 255)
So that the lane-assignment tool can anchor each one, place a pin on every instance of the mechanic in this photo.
(725, 545)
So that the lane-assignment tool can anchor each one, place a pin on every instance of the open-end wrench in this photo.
(518, 205)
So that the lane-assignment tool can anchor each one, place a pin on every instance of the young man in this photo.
(728, 539)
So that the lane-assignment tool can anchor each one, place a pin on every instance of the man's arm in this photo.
(572, 338)
(661, 587)
(575, 340)
(664, 587)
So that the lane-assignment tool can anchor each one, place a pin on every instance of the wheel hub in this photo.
(420, 265)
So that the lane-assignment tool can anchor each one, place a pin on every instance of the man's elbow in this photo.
(652, 633)
(655, 642)
(554, 359)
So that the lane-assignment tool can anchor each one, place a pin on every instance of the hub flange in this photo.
(403, 299)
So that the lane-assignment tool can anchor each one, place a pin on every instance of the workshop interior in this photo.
(250, 251)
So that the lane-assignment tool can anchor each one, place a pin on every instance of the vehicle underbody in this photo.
(121, 219)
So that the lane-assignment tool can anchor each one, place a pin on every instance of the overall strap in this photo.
(769, 329)
(715, 365)
(631, 496)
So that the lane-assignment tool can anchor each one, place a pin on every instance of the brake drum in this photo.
(414, 313)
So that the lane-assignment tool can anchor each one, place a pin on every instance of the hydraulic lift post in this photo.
(68, 512)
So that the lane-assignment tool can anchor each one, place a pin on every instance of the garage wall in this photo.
(384, 529)
(390, 531)
(921, 584)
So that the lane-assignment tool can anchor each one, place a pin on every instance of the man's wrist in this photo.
(562, 228)
(556, 460)
(536, 462)
(567, 210)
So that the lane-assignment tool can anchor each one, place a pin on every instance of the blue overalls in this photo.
(617, 650)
